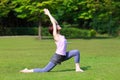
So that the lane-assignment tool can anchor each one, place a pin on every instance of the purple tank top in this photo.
(61, 46)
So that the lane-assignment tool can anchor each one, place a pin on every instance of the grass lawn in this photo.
(100, 58)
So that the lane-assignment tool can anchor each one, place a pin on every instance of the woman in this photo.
(60, 54)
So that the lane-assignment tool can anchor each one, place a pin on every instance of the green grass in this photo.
(100, 58)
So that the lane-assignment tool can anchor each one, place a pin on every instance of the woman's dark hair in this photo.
(51, 29)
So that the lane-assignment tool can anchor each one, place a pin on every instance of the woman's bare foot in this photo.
(79, 70)
(26, 70)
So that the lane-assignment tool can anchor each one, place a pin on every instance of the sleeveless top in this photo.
(61, 46)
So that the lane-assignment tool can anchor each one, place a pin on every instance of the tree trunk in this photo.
(39, 31)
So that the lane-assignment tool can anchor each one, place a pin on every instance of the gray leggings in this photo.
(51, 65)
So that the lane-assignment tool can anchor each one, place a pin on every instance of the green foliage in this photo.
(68, 32)
(19, 31)
(5, 7)
(27, 9)
(92, 33)
(31, 9)
(104, 20)
(75, 33)
(100, 15)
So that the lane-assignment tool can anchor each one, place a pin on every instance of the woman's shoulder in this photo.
(59, 37)
(56, 37)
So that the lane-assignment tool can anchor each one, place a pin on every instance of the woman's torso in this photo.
(61, 45)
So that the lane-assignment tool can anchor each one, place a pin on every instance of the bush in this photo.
(78, 33)
(68, 32)
(25, 31)
(92, 33)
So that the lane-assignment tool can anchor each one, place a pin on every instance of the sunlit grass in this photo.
(100, 58)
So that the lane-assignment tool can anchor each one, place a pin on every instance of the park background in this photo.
(84, 18)
(91, 26)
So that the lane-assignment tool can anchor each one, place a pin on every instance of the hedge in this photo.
(78, 33)
(68, 32)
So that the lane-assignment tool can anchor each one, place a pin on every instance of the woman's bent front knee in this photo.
(77, 52)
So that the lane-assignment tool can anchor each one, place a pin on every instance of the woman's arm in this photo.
(53, 21)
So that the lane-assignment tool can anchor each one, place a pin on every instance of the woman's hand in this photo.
(46, 11)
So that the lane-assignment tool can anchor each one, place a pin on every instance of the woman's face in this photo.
(58, 27)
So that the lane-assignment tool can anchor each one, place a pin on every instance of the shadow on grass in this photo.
(86, 68)
(66, 70)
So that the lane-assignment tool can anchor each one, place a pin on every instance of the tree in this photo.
(85, 13)
(101, 15)
(103, 20)
(5, 7)
(32, 10)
